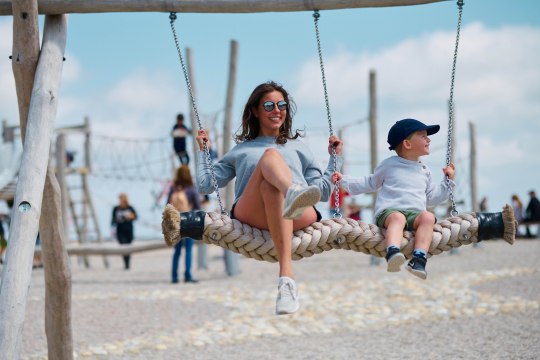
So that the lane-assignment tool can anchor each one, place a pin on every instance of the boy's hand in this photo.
(450, 171)
(337, 176)
(334, 142)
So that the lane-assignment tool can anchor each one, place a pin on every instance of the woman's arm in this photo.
(223, 169)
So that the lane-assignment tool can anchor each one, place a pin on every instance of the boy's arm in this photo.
(439, 193)
(362, 185)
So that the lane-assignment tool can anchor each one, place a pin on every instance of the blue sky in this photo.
(122, 71)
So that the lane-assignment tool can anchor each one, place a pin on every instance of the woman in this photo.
(184, 197)
(278, 180)
(123, 216)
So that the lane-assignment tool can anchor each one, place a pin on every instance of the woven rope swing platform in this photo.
(326, 235)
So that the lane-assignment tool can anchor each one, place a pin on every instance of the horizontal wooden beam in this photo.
(56, 7)
(113, 248)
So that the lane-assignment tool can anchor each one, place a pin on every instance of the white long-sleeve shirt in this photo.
(402, 184)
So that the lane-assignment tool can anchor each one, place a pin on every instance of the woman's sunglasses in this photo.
(269, 105)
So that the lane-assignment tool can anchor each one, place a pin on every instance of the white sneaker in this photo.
(287, 299)
(298, 198)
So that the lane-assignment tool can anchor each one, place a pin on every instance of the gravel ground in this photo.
(481, 303)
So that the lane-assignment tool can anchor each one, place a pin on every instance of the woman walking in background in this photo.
(123, 216)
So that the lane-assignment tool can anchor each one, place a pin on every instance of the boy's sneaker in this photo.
(287, 299)
(394, 258)
(417, 267)
(298, 198)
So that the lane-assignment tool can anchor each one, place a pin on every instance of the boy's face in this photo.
(418, 143)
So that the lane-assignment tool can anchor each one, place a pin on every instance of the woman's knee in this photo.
(270, 156)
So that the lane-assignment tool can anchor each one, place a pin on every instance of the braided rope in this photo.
(337, 233)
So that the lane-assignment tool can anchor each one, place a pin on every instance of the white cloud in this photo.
(142, 90)
(497, 74)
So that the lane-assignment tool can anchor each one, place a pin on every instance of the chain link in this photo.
(208, 158)
(316, 16)
(454, 211)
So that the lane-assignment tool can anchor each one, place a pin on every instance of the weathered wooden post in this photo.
(202, 250)
(57, 273)
(231, 259)
(29, 193)
(373, 260)
(472, 170)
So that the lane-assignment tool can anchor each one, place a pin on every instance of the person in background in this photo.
(342, 194)
(179, 134)
(517, 205)
(483, 206)
(354, 211)
(532, 212)
(123, 216)
(184, 197)
(3, 242)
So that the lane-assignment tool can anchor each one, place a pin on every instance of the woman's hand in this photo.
(334, 142)
(202, 137)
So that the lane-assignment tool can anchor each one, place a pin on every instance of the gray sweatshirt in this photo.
(241, 160)
(402, 184)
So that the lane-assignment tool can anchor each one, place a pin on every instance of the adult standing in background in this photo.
(123, 216)
(532, 213)
(179, 134)
(3, 241)
(184, 197)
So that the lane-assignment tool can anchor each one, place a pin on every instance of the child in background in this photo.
(406, 189)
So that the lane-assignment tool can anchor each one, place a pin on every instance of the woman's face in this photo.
(271, 121)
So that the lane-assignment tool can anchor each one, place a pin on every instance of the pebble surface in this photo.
(483, 302)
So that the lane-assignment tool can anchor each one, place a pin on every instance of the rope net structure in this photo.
(337, 233)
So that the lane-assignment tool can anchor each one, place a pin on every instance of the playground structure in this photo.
(37, 75)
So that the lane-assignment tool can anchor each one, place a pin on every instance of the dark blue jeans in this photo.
(188, 244)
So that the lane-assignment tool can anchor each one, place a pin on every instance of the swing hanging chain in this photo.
(454, 211)
(316, 16)
(172, 18)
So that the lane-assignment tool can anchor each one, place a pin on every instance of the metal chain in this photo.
(208, 158)
(316, 16)
(454, 211)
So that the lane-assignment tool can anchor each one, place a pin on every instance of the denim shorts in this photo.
(319, 216)
(410, 216)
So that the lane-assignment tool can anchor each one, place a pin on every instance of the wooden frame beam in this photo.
(29, 195)
(56, 7)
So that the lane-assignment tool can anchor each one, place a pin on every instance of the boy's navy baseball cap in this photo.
(403, 128)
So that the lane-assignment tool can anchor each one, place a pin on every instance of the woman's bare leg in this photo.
(261, 206)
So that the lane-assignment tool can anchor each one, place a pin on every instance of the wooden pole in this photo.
(202, 251)
(207, 6)
(87, 145)
(57, 273)
(231, 258)
(373, 260)
(61, 178)
(29, 194)
(192, 117)
(474, 194)
(25, 53)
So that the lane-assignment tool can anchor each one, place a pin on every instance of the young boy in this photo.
(405, 189)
